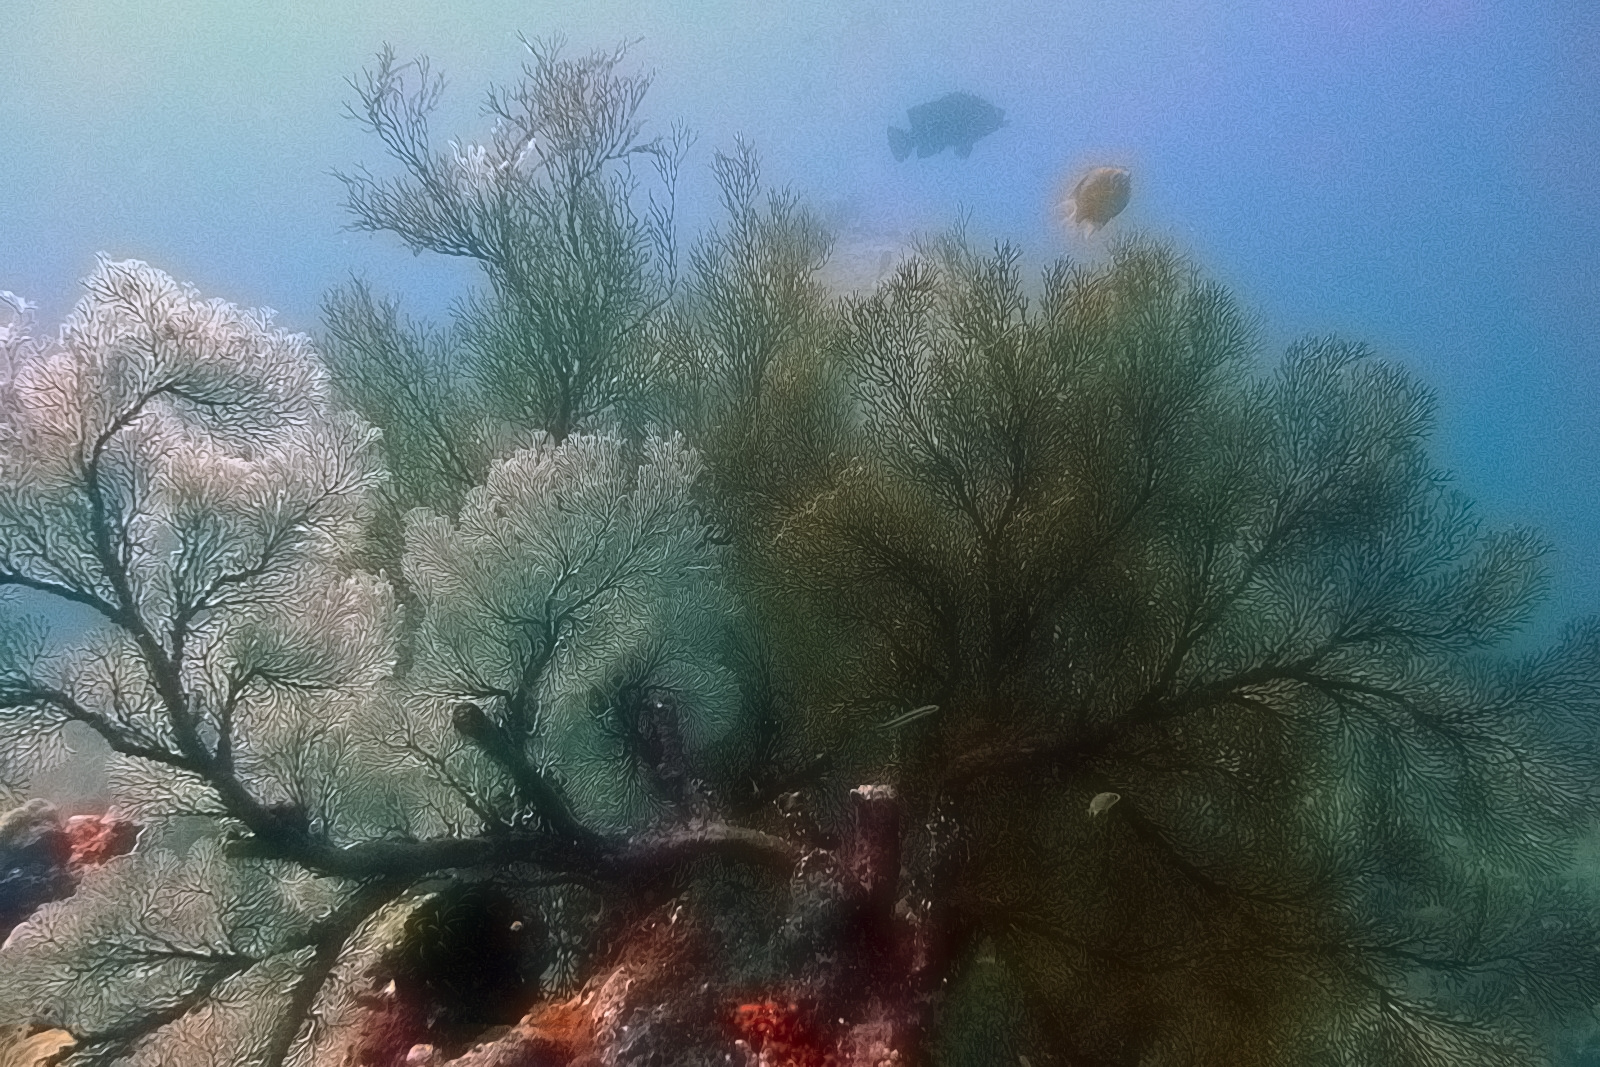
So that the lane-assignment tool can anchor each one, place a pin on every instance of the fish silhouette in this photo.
(955, 120)
(1099, 196)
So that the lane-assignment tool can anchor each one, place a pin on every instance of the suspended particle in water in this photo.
(1102, 803)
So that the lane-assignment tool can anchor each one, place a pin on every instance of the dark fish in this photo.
(955, 120)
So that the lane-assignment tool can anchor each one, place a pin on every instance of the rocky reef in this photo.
(42, 855)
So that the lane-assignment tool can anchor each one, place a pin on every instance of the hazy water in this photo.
(1419, 174)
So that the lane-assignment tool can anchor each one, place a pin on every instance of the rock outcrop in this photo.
(42, 856)
(22, 1046)
(851, 990)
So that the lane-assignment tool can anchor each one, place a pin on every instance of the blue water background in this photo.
(1420, 174)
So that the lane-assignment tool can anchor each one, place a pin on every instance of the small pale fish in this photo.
(909, 717)
(1102, 803)
(1099, 196)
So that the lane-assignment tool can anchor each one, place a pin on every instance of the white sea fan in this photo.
(17, 327)
(570, 562)
(178, 466)
(143, 929)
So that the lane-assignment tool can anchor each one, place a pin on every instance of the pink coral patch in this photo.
(94, 839)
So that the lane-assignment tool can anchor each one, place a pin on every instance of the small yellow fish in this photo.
(1099, 196)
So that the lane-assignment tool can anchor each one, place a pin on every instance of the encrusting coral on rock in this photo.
(42, 858)
(42, 855)
(662, 993)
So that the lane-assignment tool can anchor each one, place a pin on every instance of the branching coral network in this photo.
(676, 661)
